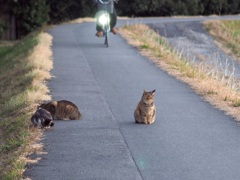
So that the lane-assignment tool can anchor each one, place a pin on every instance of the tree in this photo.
(70, 9)
(30, 15)
(232, 7)
(214, 6)
(194, 7)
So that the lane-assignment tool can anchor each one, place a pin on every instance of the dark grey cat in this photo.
(42, 118)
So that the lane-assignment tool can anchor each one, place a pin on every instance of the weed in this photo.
(236, 103)
(226, 98)
(144, 46)
(211, 92)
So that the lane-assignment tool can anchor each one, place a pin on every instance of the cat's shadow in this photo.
(131, 124)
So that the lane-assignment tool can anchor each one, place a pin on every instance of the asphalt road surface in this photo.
(189, 140)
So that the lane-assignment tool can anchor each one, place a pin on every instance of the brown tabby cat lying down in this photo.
(145, 111)
(62, 110)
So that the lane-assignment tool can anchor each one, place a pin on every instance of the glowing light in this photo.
(104, 19)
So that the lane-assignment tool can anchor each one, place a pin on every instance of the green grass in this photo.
(232, 28)
(236, 103)
(144, 46)
(14, 118)
(227, 32)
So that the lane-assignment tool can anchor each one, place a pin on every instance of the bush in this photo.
(30, 15)
(70, 9)
(1, 28)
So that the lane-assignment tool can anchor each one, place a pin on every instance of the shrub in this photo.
(30, 15)
(1, 28)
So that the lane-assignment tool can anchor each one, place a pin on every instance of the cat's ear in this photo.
(153, 91)
(144, 91)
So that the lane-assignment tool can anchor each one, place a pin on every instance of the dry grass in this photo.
(90, 19)
(24, 68)
(219, 90)
(41, 63)
(82, 20)
(227, 35)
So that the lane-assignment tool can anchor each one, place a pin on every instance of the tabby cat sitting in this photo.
(62, 110)
(145, 111)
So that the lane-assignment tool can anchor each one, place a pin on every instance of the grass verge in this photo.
(219, 90)
(24, 68)
(227, 35)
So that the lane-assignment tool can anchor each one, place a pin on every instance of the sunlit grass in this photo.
(24, 68)
(227, 33)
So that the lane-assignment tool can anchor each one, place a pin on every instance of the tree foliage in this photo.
(69, 9)
(178, 7)
(32, 14)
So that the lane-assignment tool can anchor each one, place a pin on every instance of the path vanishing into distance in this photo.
(190, 139)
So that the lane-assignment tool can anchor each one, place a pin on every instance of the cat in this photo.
(42, 118)
(145, 111)
(62, 110)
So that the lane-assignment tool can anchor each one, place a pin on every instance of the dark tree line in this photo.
(178, 7)
(31, 14)
(70, 9)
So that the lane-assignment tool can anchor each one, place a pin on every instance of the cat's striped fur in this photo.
(62, 110)
(145, 111)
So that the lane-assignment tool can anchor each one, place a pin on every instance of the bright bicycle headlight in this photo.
(104, 19)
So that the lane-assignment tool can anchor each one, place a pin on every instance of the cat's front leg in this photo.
(145, 121)
(137, 115)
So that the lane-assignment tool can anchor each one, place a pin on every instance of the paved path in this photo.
(191, 40)
(189, 140)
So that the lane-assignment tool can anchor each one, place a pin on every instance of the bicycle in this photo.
(104, 19)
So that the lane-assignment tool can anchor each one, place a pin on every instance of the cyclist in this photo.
(113, 15)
